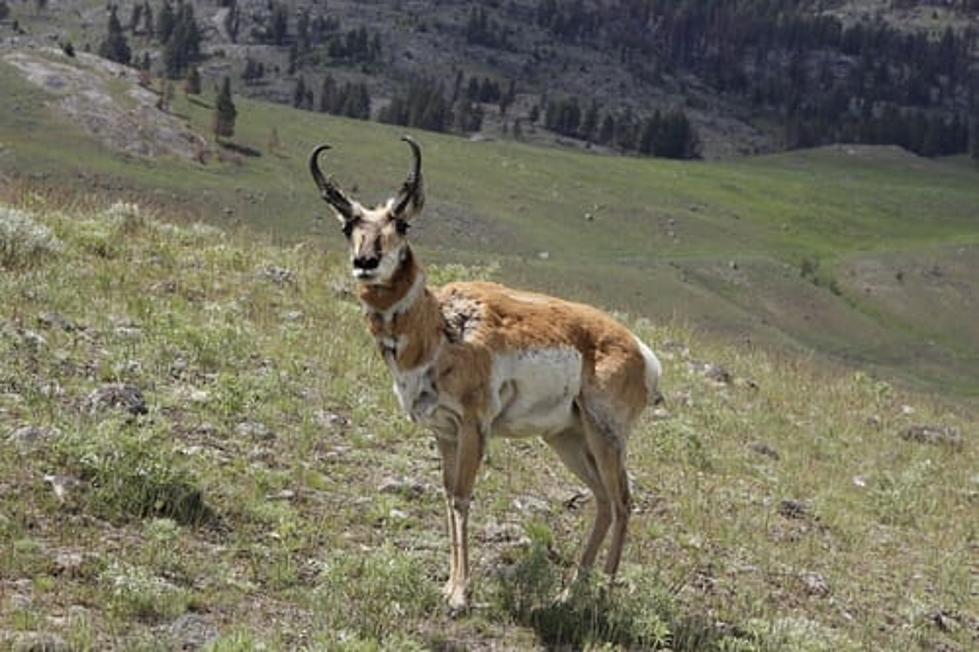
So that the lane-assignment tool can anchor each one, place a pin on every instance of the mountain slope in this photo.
(789, 251)
(199, 447)
(755, 76)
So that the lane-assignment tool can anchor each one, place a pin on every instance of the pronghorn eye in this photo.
(348, 228)
(401, 226)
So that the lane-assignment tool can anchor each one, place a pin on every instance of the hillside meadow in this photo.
(866, 255)
(199, 449)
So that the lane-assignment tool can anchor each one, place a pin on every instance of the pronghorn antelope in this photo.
(474, 360)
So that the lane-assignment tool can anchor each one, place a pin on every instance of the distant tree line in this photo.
(825, 80)
(668, 134)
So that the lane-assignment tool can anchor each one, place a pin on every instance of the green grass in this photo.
(279, 538)
(661, 244)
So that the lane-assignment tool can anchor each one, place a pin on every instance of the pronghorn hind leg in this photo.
(607, 444)
(572, 448)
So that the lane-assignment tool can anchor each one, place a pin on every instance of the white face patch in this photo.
(533, 391)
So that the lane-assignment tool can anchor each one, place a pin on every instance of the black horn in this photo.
(411, 191)
(330, 193)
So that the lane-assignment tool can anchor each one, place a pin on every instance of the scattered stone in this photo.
(859, 481)
(907, 410)
(56, 320)
(293, 316)
(62, 485)
(128, 332)
(510, 533)
(874, 421)
(934, 435)
(397, 514)
(40, 642)
(764, 449)
(749, 383)
(576, 500)
(117, 395)
(285, 494)
(69, 563)
(29, 437)
(192, 631)
(661, 414)
(733, 264)
(943, 620)
(403, 486)
(815, 584)
(34, 341)
(254, 430)
(544, 255)
(526, 504)
(712, 372)
(794, 509)
(589, 217)
(278, 275)
(328, 419)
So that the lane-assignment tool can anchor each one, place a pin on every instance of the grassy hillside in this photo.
(831, 250)
(199, 447)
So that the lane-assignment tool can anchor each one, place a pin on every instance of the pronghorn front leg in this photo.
(469, 455)
(448, 449)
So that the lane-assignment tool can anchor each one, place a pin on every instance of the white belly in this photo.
(533, 391)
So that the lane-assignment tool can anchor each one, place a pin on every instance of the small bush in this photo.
(374, 597)
(133, 477)
(24, 242)
(135, 593)
(636, 616)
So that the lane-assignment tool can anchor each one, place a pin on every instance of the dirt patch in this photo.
(125, 120)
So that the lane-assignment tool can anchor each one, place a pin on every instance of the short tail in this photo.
(654, 371)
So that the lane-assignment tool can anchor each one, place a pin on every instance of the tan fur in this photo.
(475, 359)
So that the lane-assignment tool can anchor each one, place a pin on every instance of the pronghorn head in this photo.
(376, 236)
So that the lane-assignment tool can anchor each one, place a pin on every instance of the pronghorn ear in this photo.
(411, 197)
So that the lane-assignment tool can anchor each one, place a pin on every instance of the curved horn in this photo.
(411, 191)
(330, 193)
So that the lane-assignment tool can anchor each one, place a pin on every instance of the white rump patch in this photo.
(533, 392)
(654, 371)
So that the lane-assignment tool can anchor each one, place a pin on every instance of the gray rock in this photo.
(764, 449)
(254, 430)
(62, 485)
(28, 438)
(56, 320)
(794, 509)
(192, 631)
(328, 419)
(934, 435)
(278, 275)
(118, 396)
(40, 642)
(403, 486)
(815, 584)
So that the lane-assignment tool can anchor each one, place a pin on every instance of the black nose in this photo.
(367, 262)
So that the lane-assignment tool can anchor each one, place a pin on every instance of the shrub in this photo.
(24, 242)
(375, 597)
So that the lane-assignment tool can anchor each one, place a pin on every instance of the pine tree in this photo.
(225, 112)
(114, 47)
(299, 93)
(192, 85)
(328, 95)
(165, 22)
(4, 10)
(974, 136)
